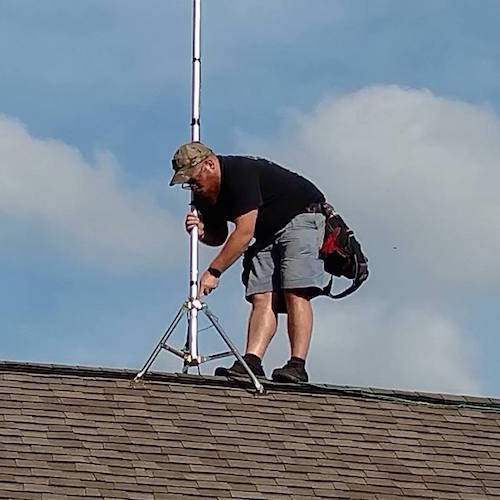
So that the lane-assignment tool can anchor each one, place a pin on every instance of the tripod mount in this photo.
(185, 353)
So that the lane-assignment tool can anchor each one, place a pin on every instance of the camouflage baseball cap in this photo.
(185, 160)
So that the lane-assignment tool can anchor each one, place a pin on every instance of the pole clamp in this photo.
(194, 304)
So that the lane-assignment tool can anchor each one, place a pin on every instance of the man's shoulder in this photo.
(239, 167)
(248, 160)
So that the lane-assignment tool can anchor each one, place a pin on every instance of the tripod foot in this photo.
(259, 389)
(137, 382)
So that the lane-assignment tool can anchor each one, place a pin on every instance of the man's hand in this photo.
(208, 282)
(193, 220)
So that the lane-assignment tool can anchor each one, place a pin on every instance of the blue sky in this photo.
(392, 107)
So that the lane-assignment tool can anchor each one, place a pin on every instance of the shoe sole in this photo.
(288, 379)
(226, 372)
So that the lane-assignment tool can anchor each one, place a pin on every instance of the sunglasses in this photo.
(189, 184)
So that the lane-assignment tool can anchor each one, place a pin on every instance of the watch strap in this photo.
(214, 272)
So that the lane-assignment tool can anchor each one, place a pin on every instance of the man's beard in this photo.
(208, 195)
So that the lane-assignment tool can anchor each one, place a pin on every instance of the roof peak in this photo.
(395, 395)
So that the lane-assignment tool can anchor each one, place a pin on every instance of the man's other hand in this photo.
(208, 282)
(193, 220)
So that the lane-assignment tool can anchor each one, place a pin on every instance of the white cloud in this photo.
(80, 206)
(418, 172)
(377, 344)
(409, 169)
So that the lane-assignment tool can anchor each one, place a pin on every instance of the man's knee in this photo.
(301, 294)
(264, 300)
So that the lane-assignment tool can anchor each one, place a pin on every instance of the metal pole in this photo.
(195, 136)
(193, 305)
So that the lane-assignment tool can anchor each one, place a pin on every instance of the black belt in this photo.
(313, 208)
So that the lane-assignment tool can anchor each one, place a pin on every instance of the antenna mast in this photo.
(192, 306)
(195, 136)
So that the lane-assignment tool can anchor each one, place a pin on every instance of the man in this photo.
(281, 270)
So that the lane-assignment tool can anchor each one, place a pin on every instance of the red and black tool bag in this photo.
(341, 252)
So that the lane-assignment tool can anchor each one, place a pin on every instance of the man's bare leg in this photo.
(262, 323)
(300, 322)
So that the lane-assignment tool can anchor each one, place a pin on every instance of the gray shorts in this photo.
(290, 261)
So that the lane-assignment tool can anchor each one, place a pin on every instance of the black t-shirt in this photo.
(248, 183)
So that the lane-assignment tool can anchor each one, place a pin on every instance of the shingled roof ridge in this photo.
(417, 397)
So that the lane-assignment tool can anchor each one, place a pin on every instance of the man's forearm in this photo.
(235, 245)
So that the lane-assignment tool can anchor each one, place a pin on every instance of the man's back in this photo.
(248, 183)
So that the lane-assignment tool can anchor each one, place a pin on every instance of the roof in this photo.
(73, 432)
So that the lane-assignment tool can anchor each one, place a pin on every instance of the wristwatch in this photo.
(214, 272)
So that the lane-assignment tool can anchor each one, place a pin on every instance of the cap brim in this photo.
(178, 178)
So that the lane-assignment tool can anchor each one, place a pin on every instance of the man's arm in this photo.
(237, 242)
(235, 245)
(214, 235)
(211, 233)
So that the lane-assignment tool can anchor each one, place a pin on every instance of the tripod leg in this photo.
(160, 344)
(258, 386)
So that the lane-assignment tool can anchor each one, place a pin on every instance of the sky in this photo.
(392, 108)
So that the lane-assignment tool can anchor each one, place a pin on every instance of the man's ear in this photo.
(211, 162)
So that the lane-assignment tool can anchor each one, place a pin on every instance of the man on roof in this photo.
(282, 271)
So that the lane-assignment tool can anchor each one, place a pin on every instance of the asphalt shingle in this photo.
(76, 432)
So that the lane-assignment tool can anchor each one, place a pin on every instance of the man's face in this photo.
(205, 180)
(199, 182)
